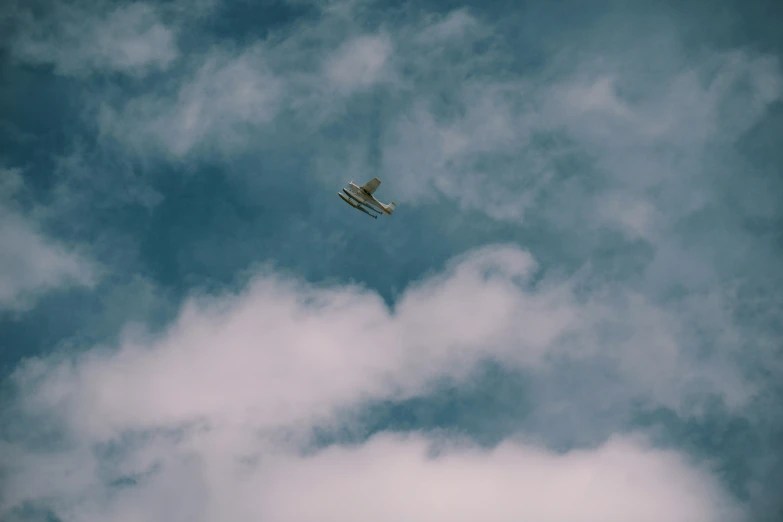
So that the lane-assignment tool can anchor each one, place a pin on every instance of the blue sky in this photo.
(574, 312)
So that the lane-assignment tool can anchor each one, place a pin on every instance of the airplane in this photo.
(361, 198)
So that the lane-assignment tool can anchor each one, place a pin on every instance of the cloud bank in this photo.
(226, 399)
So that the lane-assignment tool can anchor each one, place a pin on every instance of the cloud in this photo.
(419, 477)
(293, 339)
(80, 39)
(477, 157)
(211, 112)
(11, 183)
(624, 161)
(503, 142)
(454, 125)
(230, 98)
(393, 478)
(457, 24)
(30, 262)
(459, 119)
(218, 402)
(317, 349)
(358, 63)
(633, 215)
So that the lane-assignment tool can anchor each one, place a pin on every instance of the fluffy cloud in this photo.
(311, 348)
(417, 477)
(79, 39)
(223, 404)
(317, 348)
(393, 478)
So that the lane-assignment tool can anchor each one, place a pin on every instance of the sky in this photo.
(574, 312)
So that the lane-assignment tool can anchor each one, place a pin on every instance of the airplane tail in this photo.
(390, 207)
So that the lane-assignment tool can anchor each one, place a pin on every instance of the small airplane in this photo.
(361, 198)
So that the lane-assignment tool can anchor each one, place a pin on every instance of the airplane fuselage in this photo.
(363, 197)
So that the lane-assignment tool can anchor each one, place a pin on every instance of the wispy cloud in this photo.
(358, 63)
(83, 38)
(230, 97)
(213, 111)
(30, 262)
(456, 126)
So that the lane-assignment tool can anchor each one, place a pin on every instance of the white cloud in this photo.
(211, 112)
(82, 39)
(600, 96)
(478, 158)
(397, 478)
(312, 349)
(359, 63)
(193, 411)
(199, 411)
(285, 354)
(228, 99)
(456, 24)
(204, 477)
(717, 96)
(456, 124)
(633, 215)
(484, 151)
(31, 263)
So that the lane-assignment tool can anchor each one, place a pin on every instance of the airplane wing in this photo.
(372, 185)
